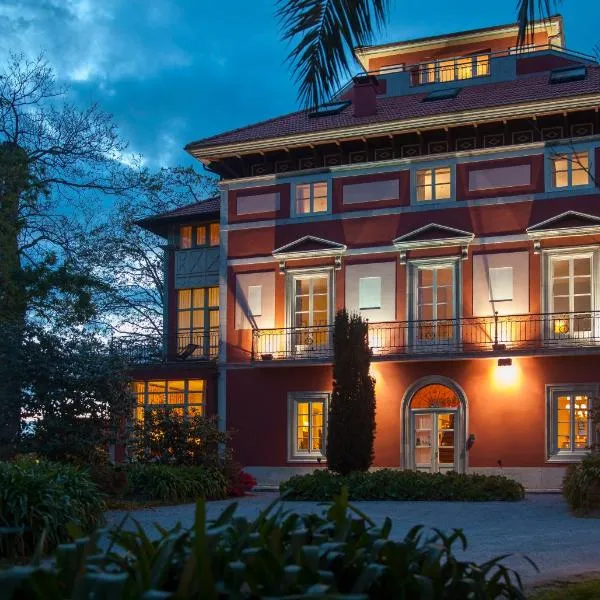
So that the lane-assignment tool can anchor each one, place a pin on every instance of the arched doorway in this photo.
(434, 411)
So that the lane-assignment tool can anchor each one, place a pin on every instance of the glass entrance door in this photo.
(434, 445)
(311, 313)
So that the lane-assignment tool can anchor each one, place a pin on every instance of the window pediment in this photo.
(309, 246)
(433, 236)
(567, 223)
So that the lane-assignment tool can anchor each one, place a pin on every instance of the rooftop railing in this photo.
(537, 333)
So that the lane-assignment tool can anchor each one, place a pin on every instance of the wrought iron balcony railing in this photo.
(198, 345)
(459, 336)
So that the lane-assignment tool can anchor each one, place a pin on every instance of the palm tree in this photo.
(325, 32)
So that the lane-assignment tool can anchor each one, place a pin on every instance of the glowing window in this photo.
(308, 425)
(198, 236)
(570, 169)
(183, 397)
(198, 321)
(434, 184)
(311, 198)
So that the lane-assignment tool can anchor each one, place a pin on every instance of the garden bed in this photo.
(390, 484)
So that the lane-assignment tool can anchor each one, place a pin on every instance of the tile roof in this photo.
(205, 208)
(530, 88)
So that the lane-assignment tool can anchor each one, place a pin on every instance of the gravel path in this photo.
(540, 527)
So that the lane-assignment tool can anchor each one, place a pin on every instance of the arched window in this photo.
(435, 395)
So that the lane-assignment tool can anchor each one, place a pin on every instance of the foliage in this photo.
(351, 423)
(39, 499)
(170, 439)
(390, 484)
(239, 484)
(77, 396)
(326, 32)
(580, 590)
(174, 484)
(581, 485)
(338, 554)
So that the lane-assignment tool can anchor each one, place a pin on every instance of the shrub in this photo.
(38, 496)
(240, 484)
(338, 554)
(109, 479)
(389, 484)
(174, 484)
(581, 485)
(351, 422)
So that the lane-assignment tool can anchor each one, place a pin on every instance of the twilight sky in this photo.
(175, 71)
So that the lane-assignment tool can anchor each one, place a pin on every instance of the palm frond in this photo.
(324, 33)
(528, 11)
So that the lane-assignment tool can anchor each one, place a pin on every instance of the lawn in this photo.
(582, 590)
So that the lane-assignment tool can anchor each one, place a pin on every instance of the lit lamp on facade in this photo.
(505, 373)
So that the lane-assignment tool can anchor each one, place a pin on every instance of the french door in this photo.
(434, 440)
(311, 313)
(434, 310)
(571, 297)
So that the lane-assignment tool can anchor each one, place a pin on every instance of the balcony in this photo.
(448, 338)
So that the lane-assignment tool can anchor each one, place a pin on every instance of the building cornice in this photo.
(208, 154)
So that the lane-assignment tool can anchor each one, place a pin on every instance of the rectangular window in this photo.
(369, 293)
(198, 321)
(357, 193)
(570, 170)
(435, 304)
(571, 298)
(310, 310)
(255, 300)
(198, 236)
(450, 69)
(434, 184)
(250, 204)
(184, 398)
(499, 177)
(570, 431)
(311, 198)
(501, 284)
(308, 425)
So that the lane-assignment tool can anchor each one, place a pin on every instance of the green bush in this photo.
(581, 485)
(38, 496)
(389, 484)
(338, 554)
(174, 484)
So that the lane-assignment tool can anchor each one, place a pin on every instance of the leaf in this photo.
(527, 14)
(206, 587)
(325, 32)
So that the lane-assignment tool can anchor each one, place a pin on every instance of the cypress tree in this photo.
(351, 424)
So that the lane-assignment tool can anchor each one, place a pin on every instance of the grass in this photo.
(581, 590)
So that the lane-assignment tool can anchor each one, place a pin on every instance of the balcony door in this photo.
(434, 306)
(311, 312)
(434, 440)
(571, 297)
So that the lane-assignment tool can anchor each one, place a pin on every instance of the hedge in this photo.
(338, 554)
(390, 484)
(581, 485)
(38, 496)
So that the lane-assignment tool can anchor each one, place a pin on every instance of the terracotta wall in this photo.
(506, 406)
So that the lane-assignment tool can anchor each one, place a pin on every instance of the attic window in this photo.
(441, 94)
(569, 74)
(332, 108)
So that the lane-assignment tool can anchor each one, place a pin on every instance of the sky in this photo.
(175, 71)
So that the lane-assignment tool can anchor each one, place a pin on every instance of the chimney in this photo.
(364, 95)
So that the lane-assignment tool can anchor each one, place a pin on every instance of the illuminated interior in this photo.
(573, 424)
(310, 426)
(197, 317)
(183, 398)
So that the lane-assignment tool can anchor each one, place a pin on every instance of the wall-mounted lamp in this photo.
(504, 362)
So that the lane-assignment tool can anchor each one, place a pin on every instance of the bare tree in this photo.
(56, 160)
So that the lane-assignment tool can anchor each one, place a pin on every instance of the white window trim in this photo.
(553, 151)
(293, 399)
(292, 274)
(321, 178)
(554, 454)
(432, 203)
(411, 286)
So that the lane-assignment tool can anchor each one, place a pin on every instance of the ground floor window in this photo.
(185, 397)
(307, 414)
(570, 430)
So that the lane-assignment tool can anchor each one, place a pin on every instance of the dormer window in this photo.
(198, 236)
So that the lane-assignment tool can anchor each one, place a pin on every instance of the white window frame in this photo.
(555, 151)
(554, 454)
(547, 299)
(412, 304)
(293, 399)
(322, 179)
(434, 201)
(292, 275)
